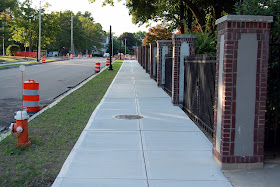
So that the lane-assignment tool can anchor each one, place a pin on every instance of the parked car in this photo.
(106, 55)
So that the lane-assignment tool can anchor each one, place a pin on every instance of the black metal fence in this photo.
(272, 123)
(199, 90)
(168, 74)
(155, 67)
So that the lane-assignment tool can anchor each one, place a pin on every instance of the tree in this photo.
(87, 34)
(157, 33)
(139, 36)
(130, 40)
(7, 5)
(181, 14)
(25, 20)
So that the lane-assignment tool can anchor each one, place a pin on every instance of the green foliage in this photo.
(11, 49)
(179, 14)
(86, 33)
(265, 8)
(130, 40)
(139, 36)
(6, 5)
(205, 43)
(119, 46)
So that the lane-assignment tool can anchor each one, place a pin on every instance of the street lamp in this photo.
(25, 44)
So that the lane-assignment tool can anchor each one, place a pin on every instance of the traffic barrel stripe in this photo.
(31, 97)
(30, 103)
(30, 92)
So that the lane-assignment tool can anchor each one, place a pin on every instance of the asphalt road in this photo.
(54, 78)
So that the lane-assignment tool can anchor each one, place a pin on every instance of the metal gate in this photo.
(199, 90)
(168, 74)
(272, 123)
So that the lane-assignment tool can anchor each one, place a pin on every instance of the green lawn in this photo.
(13, 58)
(53, 135)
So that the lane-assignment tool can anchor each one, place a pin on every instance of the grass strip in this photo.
(13, 58)
(53, 135)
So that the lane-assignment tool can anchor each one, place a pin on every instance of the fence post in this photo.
(153, 48)
(183, 45)
(240, 94)
(164, 47)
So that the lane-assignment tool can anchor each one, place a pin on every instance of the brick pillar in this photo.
(183, 45)
(153, 51)
(164, 47)
(240, 96)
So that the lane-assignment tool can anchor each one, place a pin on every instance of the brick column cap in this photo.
(245, 18)
(184, 36)
(161, 41)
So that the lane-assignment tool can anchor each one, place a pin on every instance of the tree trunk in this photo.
(182, 17)
(189, 14)
(199, 16)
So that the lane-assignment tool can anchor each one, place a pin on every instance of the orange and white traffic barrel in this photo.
(67, 57)
(97, 67)
(90, 55)
(87, 55)
(43, 59)
(107, 62)
(31, 96)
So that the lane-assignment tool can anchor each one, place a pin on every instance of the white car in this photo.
(106, 55)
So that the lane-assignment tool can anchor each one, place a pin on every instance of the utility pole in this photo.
(72, 49)
(124, 47)
(110, 49)
(3, 39)
(39, 45)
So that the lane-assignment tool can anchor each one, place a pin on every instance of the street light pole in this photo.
(110, 50)
(39, 45)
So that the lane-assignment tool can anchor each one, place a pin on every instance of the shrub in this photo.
(11, 49)
(205, 43)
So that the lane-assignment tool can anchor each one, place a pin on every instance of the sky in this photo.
(116, 16)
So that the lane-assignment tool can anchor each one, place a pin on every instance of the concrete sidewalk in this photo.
(163, 149)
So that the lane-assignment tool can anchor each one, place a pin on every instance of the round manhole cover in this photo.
(128, 117)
